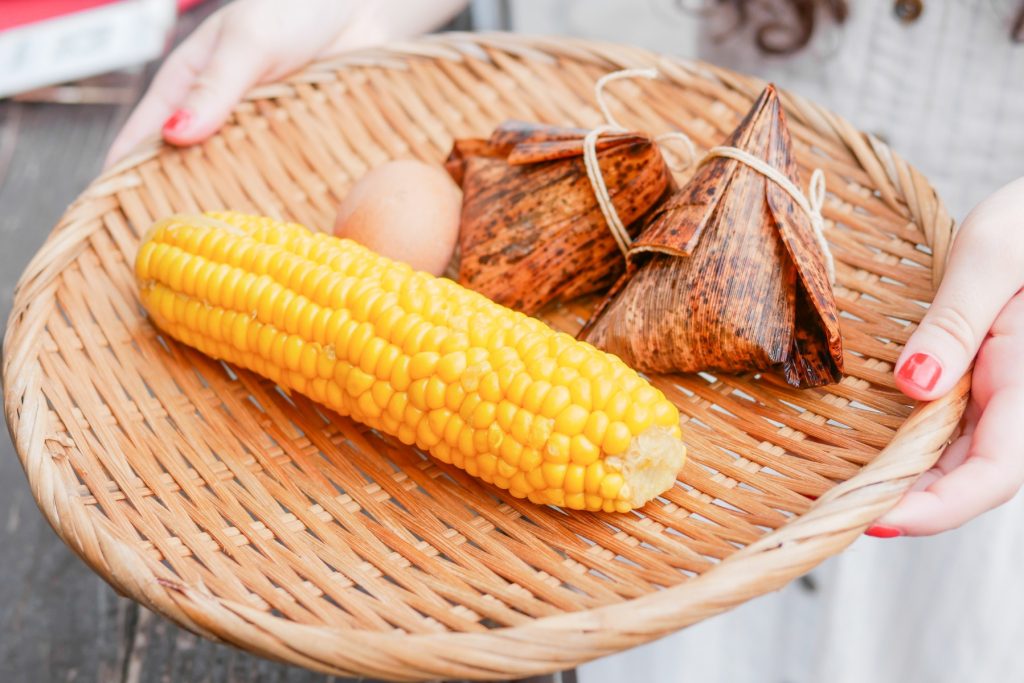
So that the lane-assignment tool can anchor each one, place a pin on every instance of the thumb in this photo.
(983, 274)
(233, 68)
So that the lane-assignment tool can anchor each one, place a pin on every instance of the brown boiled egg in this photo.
(406, 210)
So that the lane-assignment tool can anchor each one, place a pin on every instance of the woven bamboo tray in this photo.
(267, 522)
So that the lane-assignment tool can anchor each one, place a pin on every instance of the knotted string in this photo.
(611, 125)
(811, 203)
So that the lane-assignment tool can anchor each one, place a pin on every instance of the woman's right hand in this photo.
(256, 41)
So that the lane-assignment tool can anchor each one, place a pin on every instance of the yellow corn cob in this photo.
(477, 385)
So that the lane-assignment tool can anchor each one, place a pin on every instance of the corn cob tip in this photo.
(650, 465)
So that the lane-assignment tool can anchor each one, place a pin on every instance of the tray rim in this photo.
(543, 644)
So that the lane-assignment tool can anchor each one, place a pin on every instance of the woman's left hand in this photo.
(977, 315)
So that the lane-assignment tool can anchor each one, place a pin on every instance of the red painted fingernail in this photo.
(882, 531)
(178, 122)
(921, 370)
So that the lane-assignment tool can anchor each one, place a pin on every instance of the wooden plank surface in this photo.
(58, 620)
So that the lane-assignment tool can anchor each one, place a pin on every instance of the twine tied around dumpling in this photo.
(810, 203)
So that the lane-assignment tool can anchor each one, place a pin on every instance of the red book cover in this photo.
(45, 42)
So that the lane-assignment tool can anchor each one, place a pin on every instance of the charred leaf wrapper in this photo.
(532, 231)
(727, 275)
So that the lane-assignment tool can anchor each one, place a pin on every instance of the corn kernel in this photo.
(557, 449)
(518, 484)
(554, 474)
(454, 342)
(412, 415)
(434, 393)
(442, 452)
(495, 437)
(483, 415)
(535, 395)
(575, 501)
(597, 425)
(555, 497)
(531, 459)
(490, 387)
(594, 474)
(611, 485)
(292, 352)
(423, 365)
(665, 414)
(572, 420)
(434, 337)
(466, 441)
(454, 395)
(468, 406)
(451, 366)
(406, 434)
(510, 450)
(487, 464)
(367, 406)
(400, 379)
(540, 431)
(535, 478)
(542, 368)
(565, 376)
(573, 355)
(397, 403)
(382, 393)
(639, 417)
(504, 413)
(556, 400)
(386, 362)
(583, 451)
(357, 342)
(618, 405)
(453, 429)
(602, 389)
(426, 437)
(505, 470)
(517, 389)
(616, 439)
(418, 394)
(574, 478)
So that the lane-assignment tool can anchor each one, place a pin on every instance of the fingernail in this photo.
(882, 531)
(921, 370)
(178, 122)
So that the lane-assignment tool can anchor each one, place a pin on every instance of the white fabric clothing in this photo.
(947, 93)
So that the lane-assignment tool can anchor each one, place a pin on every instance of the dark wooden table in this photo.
(58, 620)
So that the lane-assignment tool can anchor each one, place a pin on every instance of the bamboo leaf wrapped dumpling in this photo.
(531, 229)
(728, 274)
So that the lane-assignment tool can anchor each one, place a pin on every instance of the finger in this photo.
(168, 89)
(954, 456)
(985, 270)
(234, 66)
(989, 476)
(999, 365)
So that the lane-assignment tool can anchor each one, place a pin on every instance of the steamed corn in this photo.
(489, 390)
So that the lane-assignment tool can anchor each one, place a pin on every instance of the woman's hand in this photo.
(255, 41)
(977, 315)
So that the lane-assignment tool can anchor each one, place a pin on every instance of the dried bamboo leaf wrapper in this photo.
(727, 276)
(532, 231)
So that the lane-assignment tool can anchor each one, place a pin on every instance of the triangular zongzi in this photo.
(532, 231)
(728, 275)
